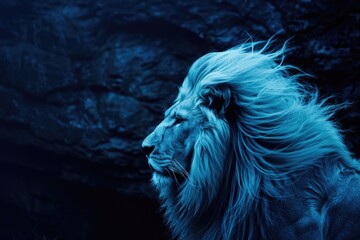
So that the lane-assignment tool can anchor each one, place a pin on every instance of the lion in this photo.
(248, 152)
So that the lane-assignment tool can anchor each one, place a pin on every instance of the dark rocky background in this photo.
(83, 82)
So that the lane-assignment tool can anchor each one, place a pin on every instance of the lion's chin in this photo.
(160, 180)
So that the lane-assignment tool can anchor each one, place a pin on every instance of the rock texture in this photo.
(83, 82)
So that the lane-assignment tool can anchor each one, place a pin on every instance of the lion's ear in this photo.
(217, 98)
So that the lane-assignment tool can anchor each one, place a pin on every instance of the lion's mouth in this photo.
(164, 167)
(160, 170)
(165, 172)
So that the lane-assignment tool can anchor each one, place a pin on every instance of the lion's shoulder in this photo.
(343, 213)
(323, 204)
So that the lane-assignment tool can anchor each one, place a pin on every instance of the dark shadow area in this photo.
(40, 205)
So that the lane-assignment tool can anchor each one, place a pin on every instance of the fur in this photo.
(263, 129)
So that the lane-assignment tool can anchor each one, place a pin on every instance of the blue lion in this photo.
(247, 152)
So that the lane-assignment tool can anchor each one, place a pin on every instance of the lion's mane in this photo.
(274, 129)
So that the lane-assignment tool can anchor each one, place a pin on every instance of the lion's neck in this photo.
(218, 219)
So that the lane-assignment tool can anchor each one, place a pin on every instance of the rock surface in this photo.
(86, 81)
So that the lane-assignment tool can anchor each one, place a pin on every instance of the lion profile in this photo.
(247, 152)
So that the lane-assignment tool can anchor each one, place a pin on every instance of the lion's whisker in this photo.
(181, 170)
(176, 180)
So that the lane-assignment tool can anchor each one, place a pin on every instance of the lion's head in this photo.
(239, 125)
(189, 133)
(169, 147)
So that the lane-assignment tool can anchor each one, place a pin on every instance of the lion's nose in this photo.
(148, 150)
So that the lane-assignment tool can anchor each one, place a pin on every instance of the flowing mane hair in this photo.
(263, 128)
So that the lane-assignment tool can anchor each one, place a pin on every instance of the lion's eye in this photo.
(178, 120)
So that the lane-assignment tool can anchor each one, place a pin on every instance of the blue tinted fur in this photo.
(268, 130)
